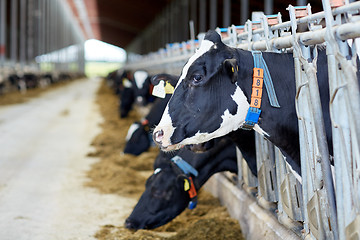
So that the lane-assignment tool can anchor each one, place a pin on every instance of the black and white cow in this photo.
(165, 197)
(135, 90)
(126, 99)
(139, 138)
(212, 98)
(142, 88)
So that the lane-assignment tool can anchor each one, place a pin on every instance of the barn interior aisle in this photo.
(44, 144)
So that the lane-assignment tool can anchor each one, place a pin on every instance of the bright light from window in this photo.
(96, 50)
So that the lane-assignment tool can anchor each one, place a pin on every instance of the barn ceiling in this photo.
(120, 22)
(117, 22)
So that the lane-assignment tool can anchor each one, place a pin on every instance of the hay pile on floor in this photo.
(126, 175)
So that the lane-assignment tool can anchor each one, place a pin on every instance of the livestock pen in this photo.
(40, 44)
(322, 203)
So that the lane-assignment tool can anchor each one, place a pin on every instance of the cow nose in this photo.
(158, 136)
(130, 224)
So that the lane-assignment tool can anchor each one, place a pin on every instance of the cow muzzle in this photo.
(161, 137)
(158, 137)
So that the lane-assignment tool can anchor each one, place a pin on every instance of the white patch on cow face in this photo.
(165, 125)
(131, 130)
(230, 122)
(140, 77)
(204, 47)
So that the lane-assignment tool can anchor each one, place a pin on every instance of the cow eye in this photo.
(197, 78)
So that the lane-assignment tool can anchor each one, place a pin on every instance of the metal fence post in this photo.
(345, 115)
(318, 190)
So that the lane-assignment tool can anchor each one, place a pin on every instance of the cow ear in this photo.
(231, 68)
(172, 79)
(183, 182)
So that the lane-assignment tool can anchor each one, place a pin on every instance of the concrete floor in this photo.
(43, 164)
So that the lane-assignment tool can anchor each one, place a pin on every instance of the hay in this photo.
(125, 175)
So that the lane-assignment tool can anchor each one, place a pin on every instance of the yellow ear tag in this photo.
(232, 69)
(169, 89)
(186, 185)
(126, 83)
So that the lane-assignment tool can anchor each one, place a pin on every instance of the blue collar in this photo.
(259, 62)
(188, 169)
(184, 166)
(253, 114)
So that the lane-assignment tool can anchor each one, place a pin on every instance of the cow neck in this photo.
(279, 124)
(212, 161)
(245, 141)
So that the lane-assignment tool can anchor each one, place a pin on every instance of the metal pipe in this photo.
(344, 31)
(244, 11)
(30, 30)
(213, 14)
(193, 15)
(202, 16)
(14, 25)
(227, 13)
(23, 33)
(2, 32)
(268, 6)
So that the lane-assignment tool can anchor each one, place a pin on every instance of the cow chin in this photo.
(170, 148)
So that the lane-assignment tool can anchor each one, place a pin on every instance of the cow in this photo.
(126, 99)
(142, 88)
(165, 196)
(135, 90)
(139, 137)
(213, 94)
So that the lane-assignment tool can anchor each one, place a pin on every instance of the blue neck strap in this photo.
(253, 114)
(259, 62)
(187, 169)
(184, 166)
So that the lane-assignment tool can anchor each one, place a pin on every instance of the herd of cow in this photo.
(209, 111)
(29, 80)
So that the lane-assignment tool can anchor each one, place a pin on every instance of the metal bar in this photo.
(2, 32)
(193, 15)
(307, 38)
(14, 28)
(202, 16)
(343, 84)
(244, 11)
(23, 33)
(268, 6)
(315, 125)
(213, 14)
(227, 13)
(30, 30)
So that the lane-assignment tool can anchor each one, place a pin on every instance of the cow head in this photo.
(142, 87)
(163, 199)
(208, 101)
(137, 138)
